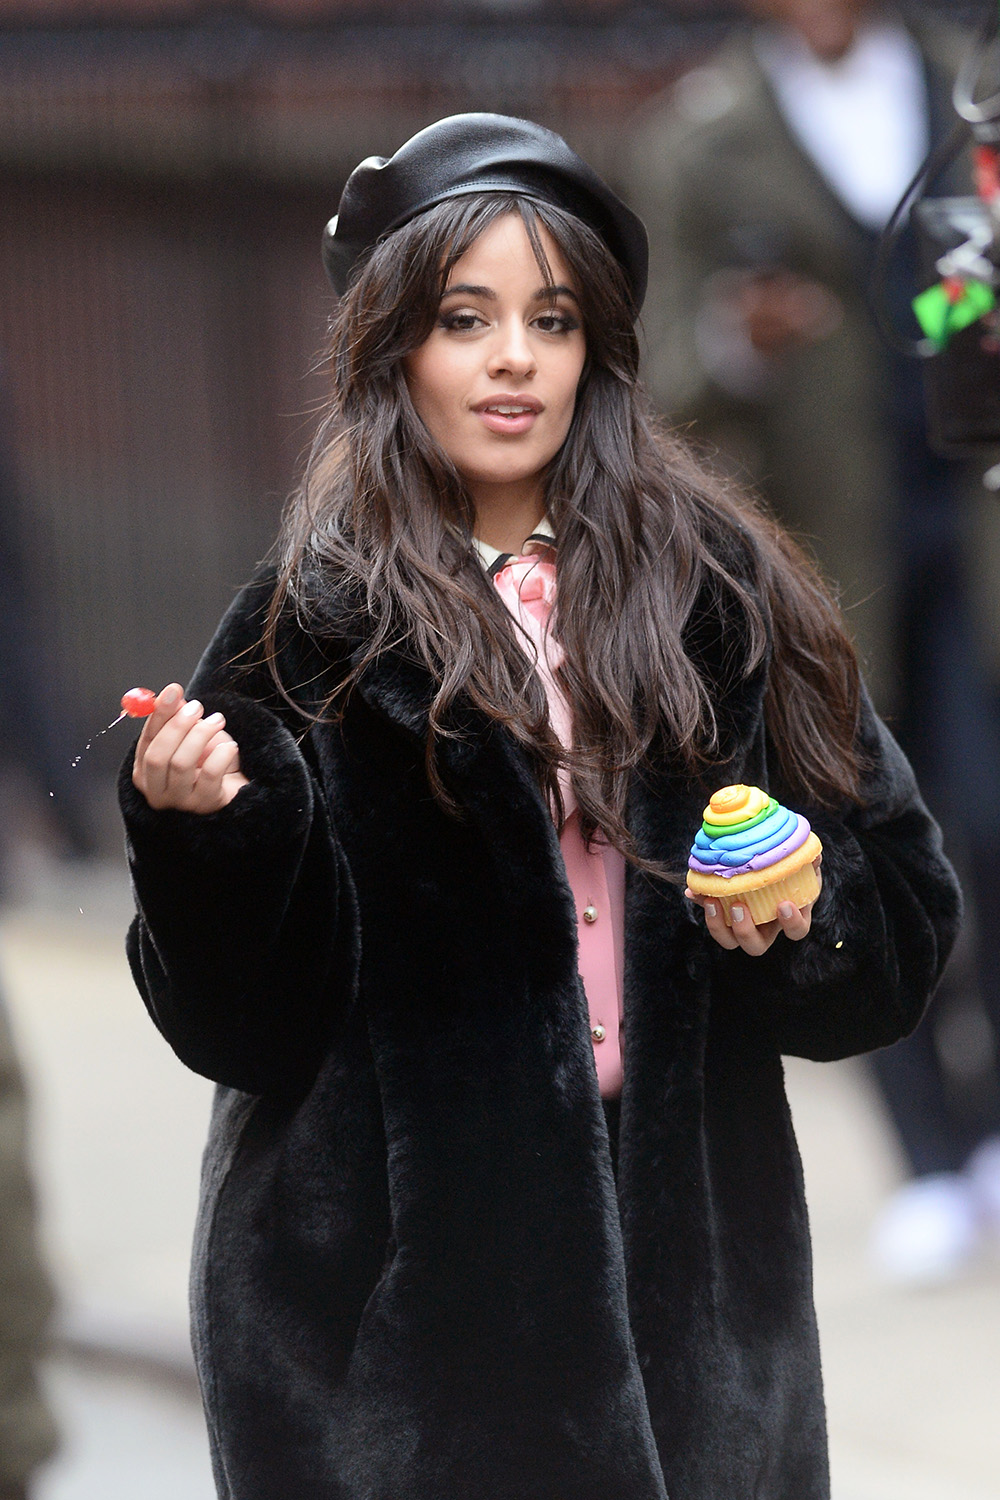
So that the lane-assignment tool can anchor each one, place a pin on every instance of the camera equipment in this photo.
(958, 309)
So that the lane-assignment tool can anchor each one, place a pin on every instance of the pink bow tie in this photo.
(529, 582)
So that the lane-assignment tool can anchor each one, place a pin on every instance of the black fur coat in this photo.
(415, 1275)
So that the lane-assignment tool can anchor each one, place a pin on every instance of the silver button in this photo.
(590, 914)
(598, 1033)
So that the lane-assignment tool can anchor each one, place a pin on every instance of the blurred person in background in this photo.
(32, 738)
(27, 1431)
(766, 177)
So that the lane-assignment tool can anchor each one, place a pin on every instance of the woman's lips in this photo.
(510, 415)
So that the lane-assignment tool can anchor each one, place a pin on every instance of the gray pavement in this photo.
(124, 1439)
(913, 1379)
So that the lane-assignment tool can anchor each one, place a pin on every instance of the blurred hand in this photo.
(780, 311)
(793, 921)
(185, 761)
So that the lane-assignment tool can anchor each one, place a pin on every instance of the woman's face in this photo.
(495, 381)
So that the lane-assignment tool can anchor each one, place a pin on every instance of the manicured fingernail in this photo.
(786, 910)
(214, 719)
(191, 708)
(737, 913)
(170, 694)
(710, 909)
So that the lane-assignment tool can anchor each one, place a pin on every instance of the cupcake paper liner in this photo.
(800, 888)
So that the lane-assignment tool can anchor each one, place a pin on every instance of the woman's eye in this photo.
(460, 322)
(556, 322)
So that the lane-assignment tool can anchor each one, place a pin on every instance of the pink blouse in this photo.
(596, 875)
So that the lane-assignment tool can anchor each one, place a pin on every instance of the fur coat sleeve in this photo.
(882, 927)
(241, 925)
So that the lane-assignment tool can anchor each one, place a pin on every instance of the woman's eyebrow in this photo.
(547, 293)
(544, 293)
(470, 291)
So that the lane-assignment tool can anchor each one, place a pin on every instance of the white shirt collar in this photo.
(863, 120)
(543, 535)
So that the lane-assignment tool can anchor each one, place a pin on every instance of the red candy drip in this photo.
(138, 703)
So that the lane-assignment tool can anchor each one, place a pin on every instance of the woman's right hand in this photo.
(185, 761)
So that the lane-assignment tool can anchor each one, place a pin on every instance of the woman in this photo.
(449, 782)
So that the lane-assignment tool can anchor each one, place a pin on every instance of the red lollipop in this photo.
(138, 703)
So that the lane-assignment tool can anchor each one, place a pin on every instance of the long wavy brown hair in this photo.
(644, 532)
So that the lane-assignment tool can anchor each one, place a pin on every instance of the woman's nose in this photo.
(512, 353)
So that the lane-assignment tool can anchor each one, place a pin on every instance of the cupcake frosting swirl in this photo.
(744, 830)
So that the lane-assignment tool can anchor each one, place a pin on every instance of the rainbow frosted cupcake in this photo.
(750, 851)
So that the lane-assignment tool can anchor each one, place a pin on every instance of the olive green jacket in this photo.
(713, 160)
(27, 1432)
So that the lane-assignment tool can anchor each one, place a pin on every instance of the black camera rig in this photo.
(958, 309)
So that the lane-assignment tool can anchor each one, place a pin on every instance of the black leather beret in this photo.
(478, 153)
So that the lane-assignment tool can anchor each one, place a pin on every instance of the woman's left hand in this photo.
(793, 921)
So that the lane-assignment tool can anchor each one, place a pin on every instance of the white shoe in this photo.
(983, 1172)
(928, 1232)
